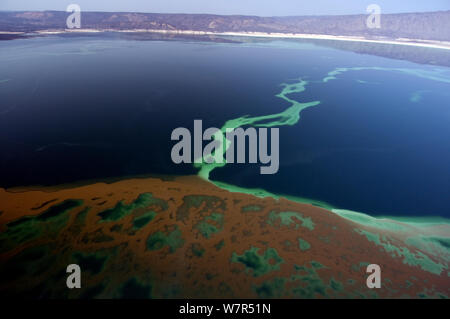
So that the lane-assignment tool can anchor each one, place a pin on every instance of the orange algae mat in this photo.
(186, 238)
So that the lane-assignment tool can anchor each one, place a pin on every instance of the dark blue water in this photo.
(81, 108)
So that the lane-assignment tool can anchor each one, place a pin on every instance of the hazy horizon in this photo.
(231, 7)
(218, 14)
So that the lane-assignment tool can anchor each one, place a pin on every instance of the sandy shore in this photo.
(400, 41)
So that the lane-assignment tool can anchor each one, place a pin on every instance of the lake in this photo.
(76, 108)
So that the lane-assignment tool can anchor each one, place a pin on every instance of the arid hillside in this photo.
(425, 26)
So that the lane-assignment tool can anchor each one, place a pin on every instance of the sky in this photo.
(245, 7)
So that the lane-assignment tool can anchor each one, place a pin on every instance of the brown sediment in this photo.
(186, 238)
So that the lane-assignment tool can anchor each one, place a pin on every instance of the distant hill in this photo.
(424, 26)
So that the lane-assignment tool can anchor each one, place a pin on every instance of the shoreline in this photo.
(445, 45)
(383, 221)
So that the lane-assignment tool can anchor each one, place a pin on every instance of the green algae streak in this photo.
(409, 258)
(259, 264)
(303, 244)
(290, 117)
(285, 219)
